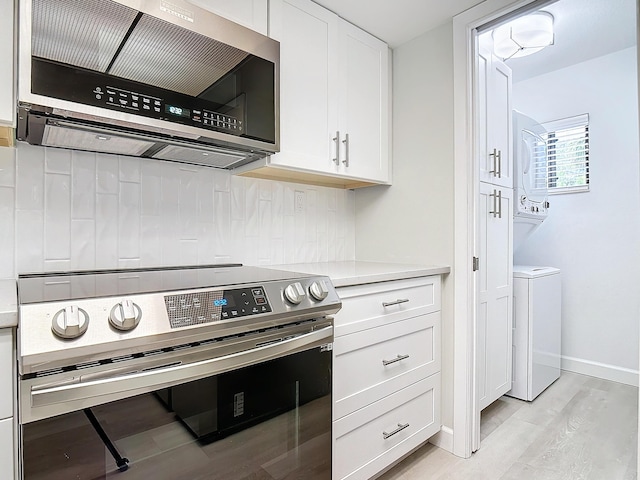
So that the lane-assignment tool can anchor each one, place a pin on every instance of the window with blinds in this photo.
(568, 154)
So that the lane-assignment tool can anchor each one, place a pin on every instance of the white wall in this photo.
(594, 237)
(412, 221)
(63, 210)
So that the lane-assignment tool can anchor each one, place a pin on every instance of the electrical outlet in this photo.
(299, 202)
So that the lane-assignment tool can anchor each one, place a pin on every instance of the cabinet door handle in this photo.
(497, 163)
(397, 302)
(497, 203)
(397, 359)
(346, 150)
(401, 427)
(337, 140)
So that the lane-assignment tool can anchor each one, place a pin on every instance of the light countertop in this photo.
(342, 274)
(345, 274)
(8, 304)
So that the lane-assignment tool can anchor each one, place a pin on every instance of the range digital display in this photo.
(226, 301)
(215, 305)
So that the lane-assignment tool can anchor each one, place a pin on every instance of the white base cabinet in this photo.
(6, 449)
(386, 374)
(7, 375)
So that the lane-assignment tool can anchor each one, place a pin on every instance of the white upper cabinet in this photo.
(308, 37)
(250, 13)
(334, 100)
(364, 104)
(495, 112)
(7, 99)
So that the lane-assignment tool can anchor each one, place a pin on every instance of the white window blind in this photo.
(568, 154)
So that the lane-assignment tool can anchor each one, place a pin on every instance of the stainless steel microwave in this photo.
(149, 78)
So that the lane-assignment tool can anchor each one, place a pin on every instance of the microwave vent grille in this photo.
(79, 139)
(193, 64)
(210, 157)
(77, 33)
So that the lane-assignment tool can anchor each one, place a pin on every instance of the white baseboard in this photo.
(443, 439)
(600, 370)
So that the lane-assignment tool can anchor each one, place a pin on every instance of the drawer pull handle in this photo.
(397, 302)
(401, 427)
(397, 359)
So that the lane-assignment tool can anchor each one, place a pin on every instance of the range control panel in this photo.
(215, 305)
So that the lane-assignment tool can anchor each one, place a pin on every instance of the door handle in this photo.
(346, 150)
(337, 140)
(497, 203)
(497, 163)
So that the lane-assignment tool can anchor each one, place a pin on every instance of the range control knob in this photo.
(294, 293)
(319, 290)
(70, 322)
(125, 315)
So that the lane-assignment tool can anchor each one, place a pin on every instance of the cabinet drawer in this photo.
(410, 349)
(368, 306)
(407, 418)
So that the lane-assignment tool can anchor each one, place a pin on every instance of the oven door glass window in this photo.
(267, 421)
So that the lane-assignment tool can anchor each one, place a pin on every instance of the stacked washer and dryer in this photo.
(536, 289)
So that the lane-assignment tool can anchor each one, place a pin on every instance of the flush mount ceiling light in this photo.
(523, 36)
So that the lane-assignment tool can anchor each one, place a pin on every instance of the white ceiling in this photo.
(584, 28)
(397, 22)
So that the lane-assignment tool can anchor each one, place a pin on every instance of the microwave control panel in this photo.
(114, 93)
(215, 305)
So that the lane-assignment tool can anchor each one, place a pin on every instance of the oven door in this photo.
(251, 406)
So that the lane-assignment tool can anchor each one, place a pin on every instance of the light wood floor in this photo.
(579, 428)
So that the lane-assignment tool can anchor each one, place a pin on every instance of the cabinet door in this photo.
(495, 292)
(7, 100)
(6, 449)
(494, 109)
(250, 13)
(6, 373)
(308, 84)
(364, 104)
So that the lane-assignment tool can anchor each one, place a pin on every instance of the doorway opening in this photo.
(586, 231)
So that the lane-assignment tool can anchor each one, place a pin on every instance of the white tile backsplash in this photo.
(83, 185)
(57, 216)
(80, 210)
(7, 237)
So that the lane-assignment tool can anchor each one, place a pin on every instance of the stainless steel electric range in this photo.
(219, 371)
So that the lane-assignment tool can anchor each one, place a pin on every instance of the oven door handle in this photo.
(95, 392)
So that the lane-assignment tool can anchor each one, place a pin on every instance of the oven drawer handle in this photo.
(147, 381)
(401, 427)
(397, 302)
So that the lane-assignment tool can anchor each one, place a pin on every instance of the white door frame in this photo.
(466, 414)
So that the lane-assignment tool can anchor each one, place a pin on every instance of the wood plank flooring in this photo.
(580, 428)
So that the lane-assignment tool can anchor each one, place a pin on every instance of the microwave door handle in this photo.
(147, 381)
